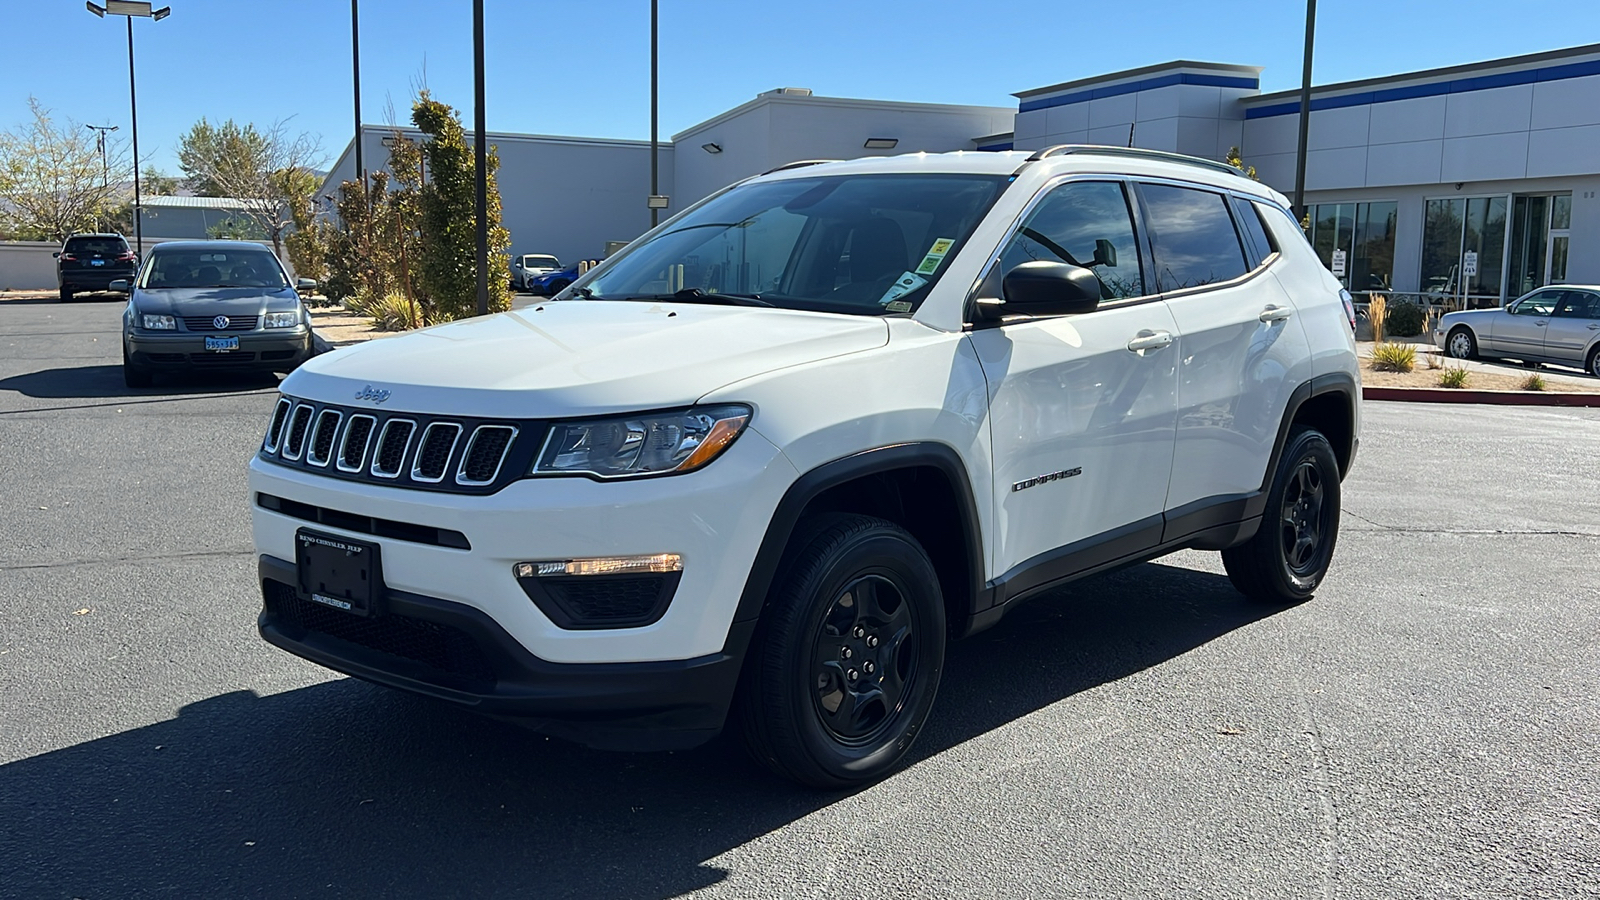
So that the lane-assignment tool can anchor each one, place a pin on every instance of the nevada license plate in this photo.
(97, 262)
(337, 572)
(222, 344)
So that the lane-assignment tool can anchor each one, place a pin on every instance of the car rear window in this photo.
(105, 246)
(1193, 236)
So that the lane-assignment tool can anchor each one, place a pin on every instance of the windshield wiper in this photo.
(696, 295)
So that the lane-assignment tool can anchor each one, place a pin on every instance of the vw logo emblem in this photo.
(220, 322)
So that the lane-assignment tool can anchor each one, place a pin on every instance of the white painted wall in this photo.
(28, 265)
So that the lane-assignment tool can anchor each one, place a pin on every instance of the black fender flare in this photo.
(923, 454)
(1342, 383)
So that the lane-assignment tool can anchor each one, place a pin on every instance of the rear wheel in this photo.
(1290, 553)
(66, 294)
(1462, 344)
(849, 655)
(1593, 365)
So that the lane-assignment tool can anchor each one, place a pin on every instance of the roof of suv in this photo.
(1063, 159)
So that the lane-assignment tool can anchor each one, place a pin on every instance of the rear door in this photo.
(1236, 347)
(1081, 406)
(1573, 327)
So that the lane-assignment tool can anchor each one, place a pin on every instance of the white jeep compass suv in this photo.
(762, 464)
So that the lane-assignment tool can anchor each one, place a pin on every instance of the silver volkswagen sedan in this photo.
(1557, 324)
(209, 305)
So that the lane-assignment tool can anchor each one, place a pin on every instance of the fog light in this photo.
(657, 564)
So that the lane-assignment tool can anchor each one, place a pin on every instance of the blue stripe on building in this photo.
(1435, 89)
(1131, 87)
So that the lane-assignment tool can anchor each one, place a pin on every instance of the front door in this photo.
(1081, 422)
(1521, 331)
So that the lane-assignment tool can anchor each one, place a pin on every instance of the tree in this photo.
(52, 180)
(157, 184)
(266, 171)
(1233, 159)
(447, 270)
(308, 242)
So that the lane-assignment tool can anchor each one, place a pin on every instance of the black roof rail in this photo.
(1134, 153)
(799, 164)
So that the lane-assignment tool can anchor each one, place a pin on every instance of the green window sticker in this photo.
(936, 255)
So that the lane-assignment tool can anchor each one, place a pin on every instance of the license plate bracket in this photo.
(222, 344)
(338, 572)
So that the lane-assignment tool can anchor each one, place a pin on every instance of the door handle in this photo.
(1150, 340)
(1276, 314)
(1541, 323)
(1595, 327)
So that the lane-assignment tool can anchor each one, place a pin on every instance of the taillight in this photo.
(1349, 307)
(69, 257)
(127, 257)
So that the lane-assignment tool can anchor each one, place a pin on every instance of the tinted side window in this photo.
(1580, 305)
(1195, 241)
(1084, 223)
(1254, 231)
(1540, 304)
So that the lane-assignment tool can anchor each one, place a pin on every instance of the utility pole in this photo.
(480, 158)
(100, 144)
(1305, 114)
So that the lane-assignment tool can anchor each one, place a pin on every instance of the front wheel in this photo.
(1461, 344)
(1593, 365)
(1290, 553)
(848, 659)
(134, 376)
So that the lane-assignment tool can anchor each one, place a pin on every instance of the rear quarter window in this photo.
(1193, 237)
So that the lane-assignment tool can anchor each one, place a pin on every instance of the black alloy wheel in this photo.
(558, 286)
(848, 654)
(1290, 553)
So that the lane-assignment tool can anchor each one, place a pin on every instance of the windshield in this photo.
(540, 262)
(213, 269)
(863, 244)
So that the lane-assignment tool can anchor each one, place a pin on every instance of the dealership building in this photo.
(1478, 182)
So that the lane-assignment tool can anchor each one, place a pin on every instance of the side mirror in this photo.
(1105, 253)
(120, 286)
(1042, 288)
(305, 284)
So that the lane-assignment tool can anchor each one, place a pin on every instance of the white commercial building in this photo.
(1479, 181)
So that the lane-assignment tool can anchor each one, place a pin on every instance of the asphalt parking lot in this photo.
(1427, 726)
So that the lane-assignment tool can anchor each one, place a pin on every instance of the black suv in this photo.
(90, 262)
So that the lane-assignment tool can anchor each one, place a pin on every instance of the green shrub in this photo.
(1403, 319)
(1453, 377)
(391, 312)
(1534, 382)
(1394, 357)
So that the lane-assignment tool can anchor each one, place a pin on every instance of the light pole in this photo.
(1305, 114)
(480, 158)
(355, 65)
(655, 187)
(130, 10)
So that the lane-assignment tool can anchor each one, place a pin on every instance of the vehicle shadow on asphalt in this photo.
(105, 382)
(350, 789)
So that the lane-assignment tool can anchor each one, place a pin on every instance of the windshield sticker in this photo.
(936, 254)
(902, 286)
(899, 306)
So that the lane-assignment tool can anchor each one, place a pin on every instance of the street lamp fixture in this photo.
(881, 143)
(131, 10)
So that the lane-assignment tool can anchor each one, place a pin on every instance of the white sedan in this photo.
(1557, 324)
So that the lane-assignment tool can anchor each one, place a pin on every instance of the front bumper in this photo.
(267, 351)
(457, 653)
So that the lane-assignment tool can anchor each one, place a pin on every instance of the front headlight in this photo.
(283, 319)
(645, 444)
(159, 323)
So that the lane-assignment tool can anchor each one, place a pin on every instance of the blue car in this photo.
(552, 283)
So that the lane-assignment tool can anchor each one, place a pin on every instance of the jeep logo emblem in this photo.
(370, 393)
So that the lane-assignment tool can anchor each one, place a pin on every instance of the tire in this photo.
(856, 602)
(66, 295)
(557, 287)
(135, 376)
(1593, 364)
(1289, 555)
(1462, 343)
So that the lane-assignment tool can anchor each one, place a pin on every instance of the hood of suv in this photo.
(578, 358)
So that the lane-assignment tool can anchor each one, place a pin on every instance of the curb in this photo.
(1493, 398)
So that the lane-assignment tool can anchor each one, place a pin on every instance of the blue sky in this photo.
(582, 68)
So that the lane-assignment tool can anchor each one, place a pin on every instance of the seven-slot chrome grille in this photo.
(461, 454)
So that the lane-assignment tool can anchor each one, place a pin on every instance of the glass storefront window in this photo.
(1365, 232)
(1441, 246)
(1561, 212)
(1454, 227)
(1485, 235)
(1530, 230)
